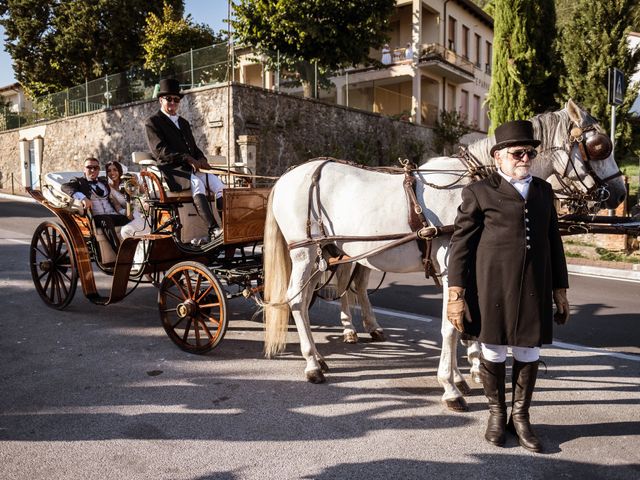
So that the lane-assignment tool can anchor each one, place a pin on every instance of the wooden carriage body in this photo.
(194, 282)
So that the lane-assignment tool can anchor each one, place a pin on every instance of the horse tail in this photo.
(277, 271)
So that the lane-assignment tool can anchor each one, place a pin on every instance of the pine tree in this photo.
(592, 41)
(524, 70)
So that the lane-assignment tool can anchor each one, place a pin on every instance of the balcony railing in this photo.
(435, 51)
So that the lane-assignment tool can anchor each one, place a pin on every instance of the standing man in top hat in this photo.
(179, 159)
(506, 263)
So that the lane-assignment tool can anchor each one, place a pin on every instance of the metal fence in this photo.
(204, 66)
(210, 66)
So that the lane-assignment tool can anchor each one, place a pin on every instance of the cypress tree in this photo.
(524, 71)
(593, 40)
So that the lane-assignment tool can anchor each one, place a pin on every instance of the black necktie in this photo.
(95, 186)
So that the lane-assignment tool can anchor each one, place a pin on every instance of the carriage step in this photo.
(98, 299)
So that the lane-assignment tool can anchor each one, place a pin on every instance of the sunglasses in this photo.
(172, 99)
(519, 154)
(92, 167)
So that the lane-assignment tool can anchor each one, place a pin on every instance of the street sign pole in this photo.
(613, 129)
(616, 97)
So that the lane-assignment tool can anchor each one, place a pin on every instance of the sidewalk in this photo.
(578, 266)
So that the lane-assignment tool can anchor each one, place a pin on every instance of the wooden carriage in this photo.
(194, 281)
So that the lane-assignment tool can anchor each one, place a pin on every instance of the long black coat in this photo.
(169, 145)
(507, 253)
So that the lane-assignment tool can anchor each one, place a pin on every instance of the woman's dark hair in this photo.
(115, 164)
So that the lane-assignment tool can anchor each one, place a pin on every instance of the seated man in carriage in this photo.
(94, 194)
(179, 159)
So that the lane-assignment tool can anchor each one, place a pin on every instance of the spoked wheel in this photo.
(192, 307)
(53, 265)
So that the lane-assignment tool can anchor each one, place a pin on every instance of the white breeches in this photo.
(498, 353)
(199, 182)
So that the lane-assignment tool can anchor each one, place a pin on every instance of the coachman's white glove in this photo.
(456, 307)
(562, 306)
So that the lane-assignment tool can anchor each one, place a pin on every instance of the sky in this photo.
(211, 12)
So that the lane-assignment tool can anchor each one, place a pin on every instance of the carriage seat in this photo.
(52, 191)
(150, 165)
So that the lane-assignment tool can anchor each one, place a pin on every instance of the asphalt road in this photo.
(101, 392)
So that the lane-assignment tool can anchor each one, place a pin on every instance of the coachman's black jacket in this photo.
(169, 144)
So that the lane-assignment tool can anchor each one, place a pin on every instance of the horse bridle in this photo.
(594, 146)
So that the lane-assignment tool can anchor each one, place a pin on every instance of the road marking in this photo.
(564, 345)
(608, 277)
(597, 351)
(15, 240)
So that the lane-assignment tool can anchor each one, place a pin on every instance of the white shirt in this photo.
(173, 118)
(100, 204)
(522, 186)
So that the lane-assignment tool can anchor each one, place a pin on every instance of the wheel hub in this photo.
(187, 308)
(45, 265)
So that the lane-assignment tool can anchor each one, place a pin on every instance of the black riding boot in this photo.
(492, 375)
(524, 377)
(204, 210)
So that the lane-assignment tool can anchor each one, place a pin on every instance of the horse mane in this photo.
(551, 128)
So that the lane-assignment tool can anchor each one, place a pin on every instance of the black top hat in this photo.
(170, 86)
(516, 132)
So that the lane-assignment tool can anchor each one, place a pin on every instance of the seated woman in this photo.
(137, 225)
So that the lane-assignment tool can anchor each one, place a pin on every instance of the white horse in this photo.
(322, 207)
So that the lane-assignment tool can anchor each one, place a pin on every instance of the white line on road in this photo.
(15, 240)
(564, 345)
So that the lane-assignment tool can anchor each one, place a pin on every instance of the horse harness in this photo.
(594, 146)
(421, 231)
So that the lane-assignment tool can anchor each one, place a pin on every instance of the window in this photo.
(476, 111)
(451, 97)
(465, 42)
(451, 44)
(478, 51)
(487, 67)
(464, 105)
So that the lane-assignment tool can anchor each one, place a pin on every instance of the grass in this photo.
(631, 169)
(579, 243)
(609, 256)
(574, 255)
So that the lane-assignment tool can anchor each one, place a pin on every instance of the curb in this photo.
(602, 272)
(626, 274)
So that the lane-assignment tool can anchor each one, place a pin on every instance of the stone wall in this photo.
(288, 130)
(291, 130)
(10, 176)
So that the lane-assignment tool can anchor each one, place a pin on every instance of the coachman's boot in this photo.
(524, 377)
(492, 375)
(204, 210)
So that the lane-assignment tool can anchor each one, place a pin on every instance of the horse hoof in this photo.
(456, 404)
(351, 337)
(315, 376)
(323, 366)
(377, 336)
(463, 387)
(475, 376)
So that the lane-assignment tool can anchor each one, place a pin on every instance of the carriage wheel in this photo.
(192, 307)
(53, 265)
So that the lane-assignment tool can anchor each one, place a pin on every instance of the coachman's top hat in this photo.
(516, 132)
(170, 86)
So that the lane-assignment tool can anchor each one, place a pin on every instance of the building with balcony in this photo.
(438, 58)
